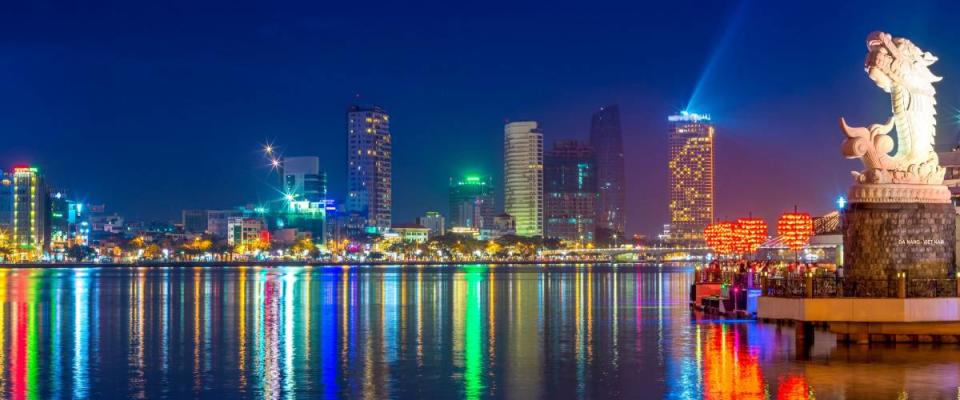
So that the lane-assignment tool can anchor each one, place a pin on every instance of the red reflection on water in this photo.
(19, 350)
(793, 387)
(731, 370)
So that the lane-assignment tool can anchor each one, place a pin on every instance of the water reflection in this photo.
(472, 332)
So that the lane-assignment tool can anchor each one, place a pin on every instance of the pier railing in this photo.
(829, 287)
(820, 285)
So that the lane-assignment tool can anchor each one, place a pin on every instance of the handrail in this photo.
(830, 287)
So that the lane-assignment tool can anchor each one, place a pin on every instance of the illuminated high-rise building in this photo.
(29, 232)
(369, 168)
(606, 139)
(691, 177)
(570, 191)
(303, 179)
(523, 176)
(471, 202)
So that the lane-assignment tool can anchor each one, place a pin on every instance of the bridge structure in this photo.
(636, 253)
(827, 247)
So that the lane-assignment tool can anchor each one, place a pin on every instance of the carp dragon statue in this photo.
(900, 68)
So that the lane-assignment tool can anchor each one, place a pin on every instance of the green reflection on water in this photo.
(473, 337)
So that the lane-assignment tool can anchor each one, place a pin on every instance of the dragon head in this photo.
(898, 62)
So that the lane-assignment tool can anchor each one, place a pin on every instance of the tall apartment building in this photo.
(369, 168)
(523, 176)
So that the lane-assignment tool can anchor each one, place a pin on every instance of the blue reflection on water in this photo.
(81, 333)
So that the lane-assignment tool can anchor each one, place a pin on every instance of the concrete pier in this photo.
(867, 320)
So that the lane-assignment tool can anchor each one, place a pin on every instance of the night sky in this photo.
(156, 107)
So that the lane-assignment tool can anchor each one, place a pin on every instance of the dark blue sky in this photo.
(156, 107)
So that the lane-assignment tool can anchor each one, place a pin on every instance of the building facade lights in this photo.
(523, 176)
(369, 169)
(691, 167)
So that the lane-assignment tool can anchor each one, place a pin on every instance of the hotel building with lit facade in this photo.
(25, 211)
(691, 166)
(369, 169)
(523, 176)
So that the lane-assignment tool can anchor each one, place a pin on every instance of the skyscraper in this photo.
(607, 142)
(369, 168)
(570, 191)
(303, 179)
(691, 177)
(523, 176)
(471, 202)
(29, 232)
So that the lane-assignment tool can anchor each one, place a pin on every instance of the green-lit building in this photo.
(471, 202)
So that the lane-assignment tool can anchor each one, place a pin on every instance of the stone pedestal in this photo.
(883, 238)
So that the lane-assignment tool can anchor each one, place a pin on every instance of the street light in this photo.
(841, 202)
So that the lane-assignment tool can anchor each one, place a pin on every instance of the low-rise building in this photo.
(503, 225)
(412, 232)
(466, 231)
(243, 231)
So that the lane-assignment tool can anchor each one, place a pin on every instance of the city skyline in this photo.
(441, 200)
(177, 131)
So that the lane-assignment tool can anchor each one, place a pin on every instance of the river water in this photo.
(520, 332)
